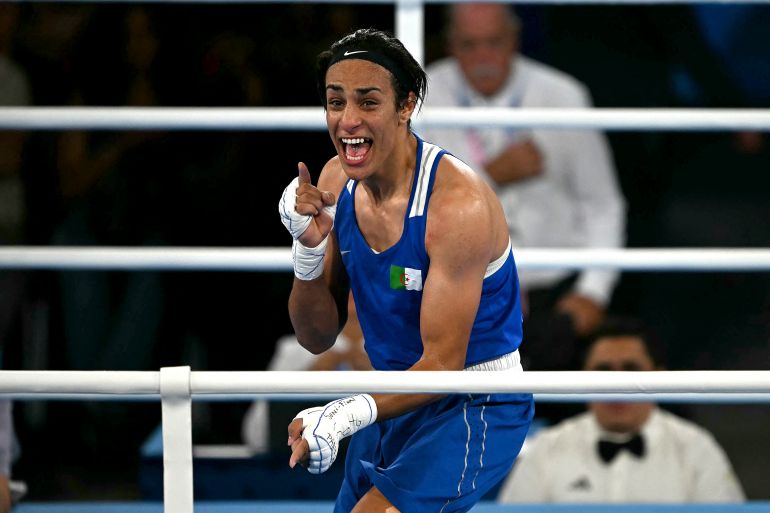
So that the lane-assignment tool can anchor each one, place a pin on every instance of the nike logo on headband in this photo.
(347, 52)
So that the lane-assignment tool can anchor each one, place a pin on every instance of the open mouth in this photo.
(356, 148)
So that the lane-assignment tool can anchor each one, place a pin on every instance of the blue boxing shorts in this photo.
(441, 458)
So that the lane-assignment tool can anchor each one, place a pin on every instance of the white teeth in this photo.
(357, 140)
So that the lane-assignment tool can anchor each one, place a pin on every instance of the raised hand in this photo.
(307, 212)
(310, 201)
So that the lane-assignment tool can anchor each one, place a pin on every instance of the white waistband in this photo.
(510, 361)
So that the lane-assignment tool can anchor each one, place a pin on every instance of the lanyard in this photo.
(473, 135)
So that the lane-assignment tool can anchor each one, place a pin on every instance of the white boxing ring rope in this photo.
(312, 118)
(279, 259)
(245, 385)
(176, 387)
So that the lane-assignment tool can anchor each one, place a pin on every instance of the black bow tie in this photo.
(608, 450)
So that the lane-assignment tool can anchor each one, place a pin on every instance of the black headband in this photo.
(377, 58)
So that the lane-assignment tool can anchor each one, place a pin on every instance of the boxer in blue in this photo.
(423, 243)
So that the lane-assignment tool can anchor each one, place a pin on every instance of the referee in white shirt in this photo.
(622, 452)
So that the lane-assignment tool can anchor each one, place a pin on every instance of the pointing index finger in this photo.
(304, 174)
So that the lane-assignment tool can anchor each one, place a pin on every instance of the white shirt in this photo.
(682, 463)
(575, 202)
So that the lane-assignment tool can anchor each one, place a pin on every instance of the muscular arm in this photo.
(459, 254)
(466, 228)
(318, 308)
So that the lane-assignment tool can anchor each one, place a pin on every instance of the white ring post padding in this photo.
(312, 118)
(176, 406)
(409, 27)
(279, 259)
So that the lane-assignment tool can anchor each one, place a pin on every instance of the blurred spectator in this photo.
(558, 188)
(14, 84)
(623, 452)
(109, 182)
(654, 56)
(48, 46)
(346, 354)
(14, 91)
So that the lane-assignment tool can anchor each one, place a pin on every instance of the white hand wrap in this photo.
(324, 426)
(308, 262)
(294, 222)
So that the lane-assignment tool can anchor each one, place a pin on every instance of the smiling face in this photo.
(364, 123)
(622, 353)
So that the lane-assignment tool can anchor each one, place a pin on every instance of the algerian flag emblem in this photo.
(405, 278)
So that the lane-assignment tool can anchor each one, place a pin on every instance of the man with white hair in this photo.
(558, 187)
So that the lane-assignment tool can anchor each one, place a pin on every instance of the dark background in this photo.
(196, 188)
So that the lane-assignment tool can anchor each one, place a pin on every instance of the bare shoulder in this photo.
(333, 177)
(454, 175)
(464, 207)
(460, 194)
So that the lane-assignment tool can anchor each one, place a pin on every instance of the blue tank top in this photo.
(387, 286)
